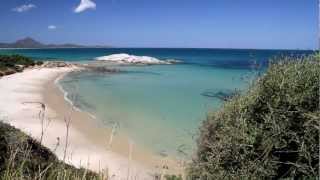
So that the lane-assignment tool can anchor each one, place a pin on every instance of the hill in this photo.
(31, 43)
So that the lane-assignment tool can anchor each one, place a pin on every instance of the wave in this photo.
(65, 95)
(132, 59)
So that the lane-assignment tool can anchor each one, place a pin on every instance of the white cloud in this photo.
(84, 5)
(24, 8)
(52, 27)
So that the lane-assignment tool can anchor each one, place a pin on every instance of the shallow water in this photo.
(160, 106)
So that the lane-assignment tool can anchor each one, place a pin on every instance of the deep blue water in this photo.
(223, 58)
(159, 106)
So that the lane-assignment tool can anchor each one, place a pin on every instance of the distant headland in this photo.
(31, 43)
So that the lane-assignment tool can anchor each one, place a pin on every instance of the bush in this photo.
(13, 60)
(22, 157)
(271, 131)
(15, 63)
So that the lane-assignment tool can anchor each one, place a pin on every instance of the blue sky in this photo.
(272, 24)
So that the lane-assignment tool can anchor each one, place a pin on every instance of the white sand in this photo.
(19, 88)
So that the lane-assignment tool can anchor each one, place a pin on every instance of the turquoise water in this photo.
(160, 106)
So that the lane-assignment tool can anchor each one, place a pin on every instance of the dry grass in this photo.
(22, 157)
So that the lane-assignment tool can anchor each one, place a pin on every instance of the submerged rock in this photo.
(97, 68)
(221, 95)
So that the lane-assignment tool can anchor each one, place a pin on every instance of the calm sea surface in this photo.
(159, 106)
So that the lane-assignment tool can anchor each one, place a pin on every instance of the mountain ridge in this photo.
(29, 42)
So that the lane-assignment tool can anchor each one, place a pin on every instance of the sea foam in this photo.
(132, 59)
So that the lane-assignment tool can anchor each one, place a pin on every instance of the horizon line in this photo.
(141, 47)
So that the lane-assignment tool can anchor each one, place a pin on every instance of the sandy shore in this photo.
(87, 142)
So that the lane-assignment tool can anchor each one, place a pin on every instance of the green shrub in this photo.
(22, 157)
(13, 60)
(15, 63)
(271, 131)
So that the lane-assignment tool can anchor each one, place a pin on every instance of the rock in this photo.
(135, 60)
(9, 71)
(101, 69)
(19, 68)
(221, 95)
(55, 64)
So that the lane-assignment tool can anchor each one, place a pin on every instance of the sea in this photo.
(160, 107)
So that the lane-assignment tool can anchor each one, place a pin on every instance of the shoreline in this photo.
(87, 144)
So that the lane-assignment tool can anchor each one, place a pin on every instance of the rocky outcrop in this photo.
(57, 64)
(135, 60)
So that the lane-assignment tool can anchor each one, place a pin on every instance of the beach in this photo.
(74, 136)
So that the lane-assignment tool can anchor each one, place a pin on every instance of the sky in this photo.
(260, 24)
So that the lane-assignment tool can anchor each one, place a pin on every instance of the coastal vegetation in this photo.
(10, 64)
(271, 131)
(22, 157)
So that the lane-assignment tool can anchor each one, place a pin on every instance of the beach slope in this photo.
(31, 101)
